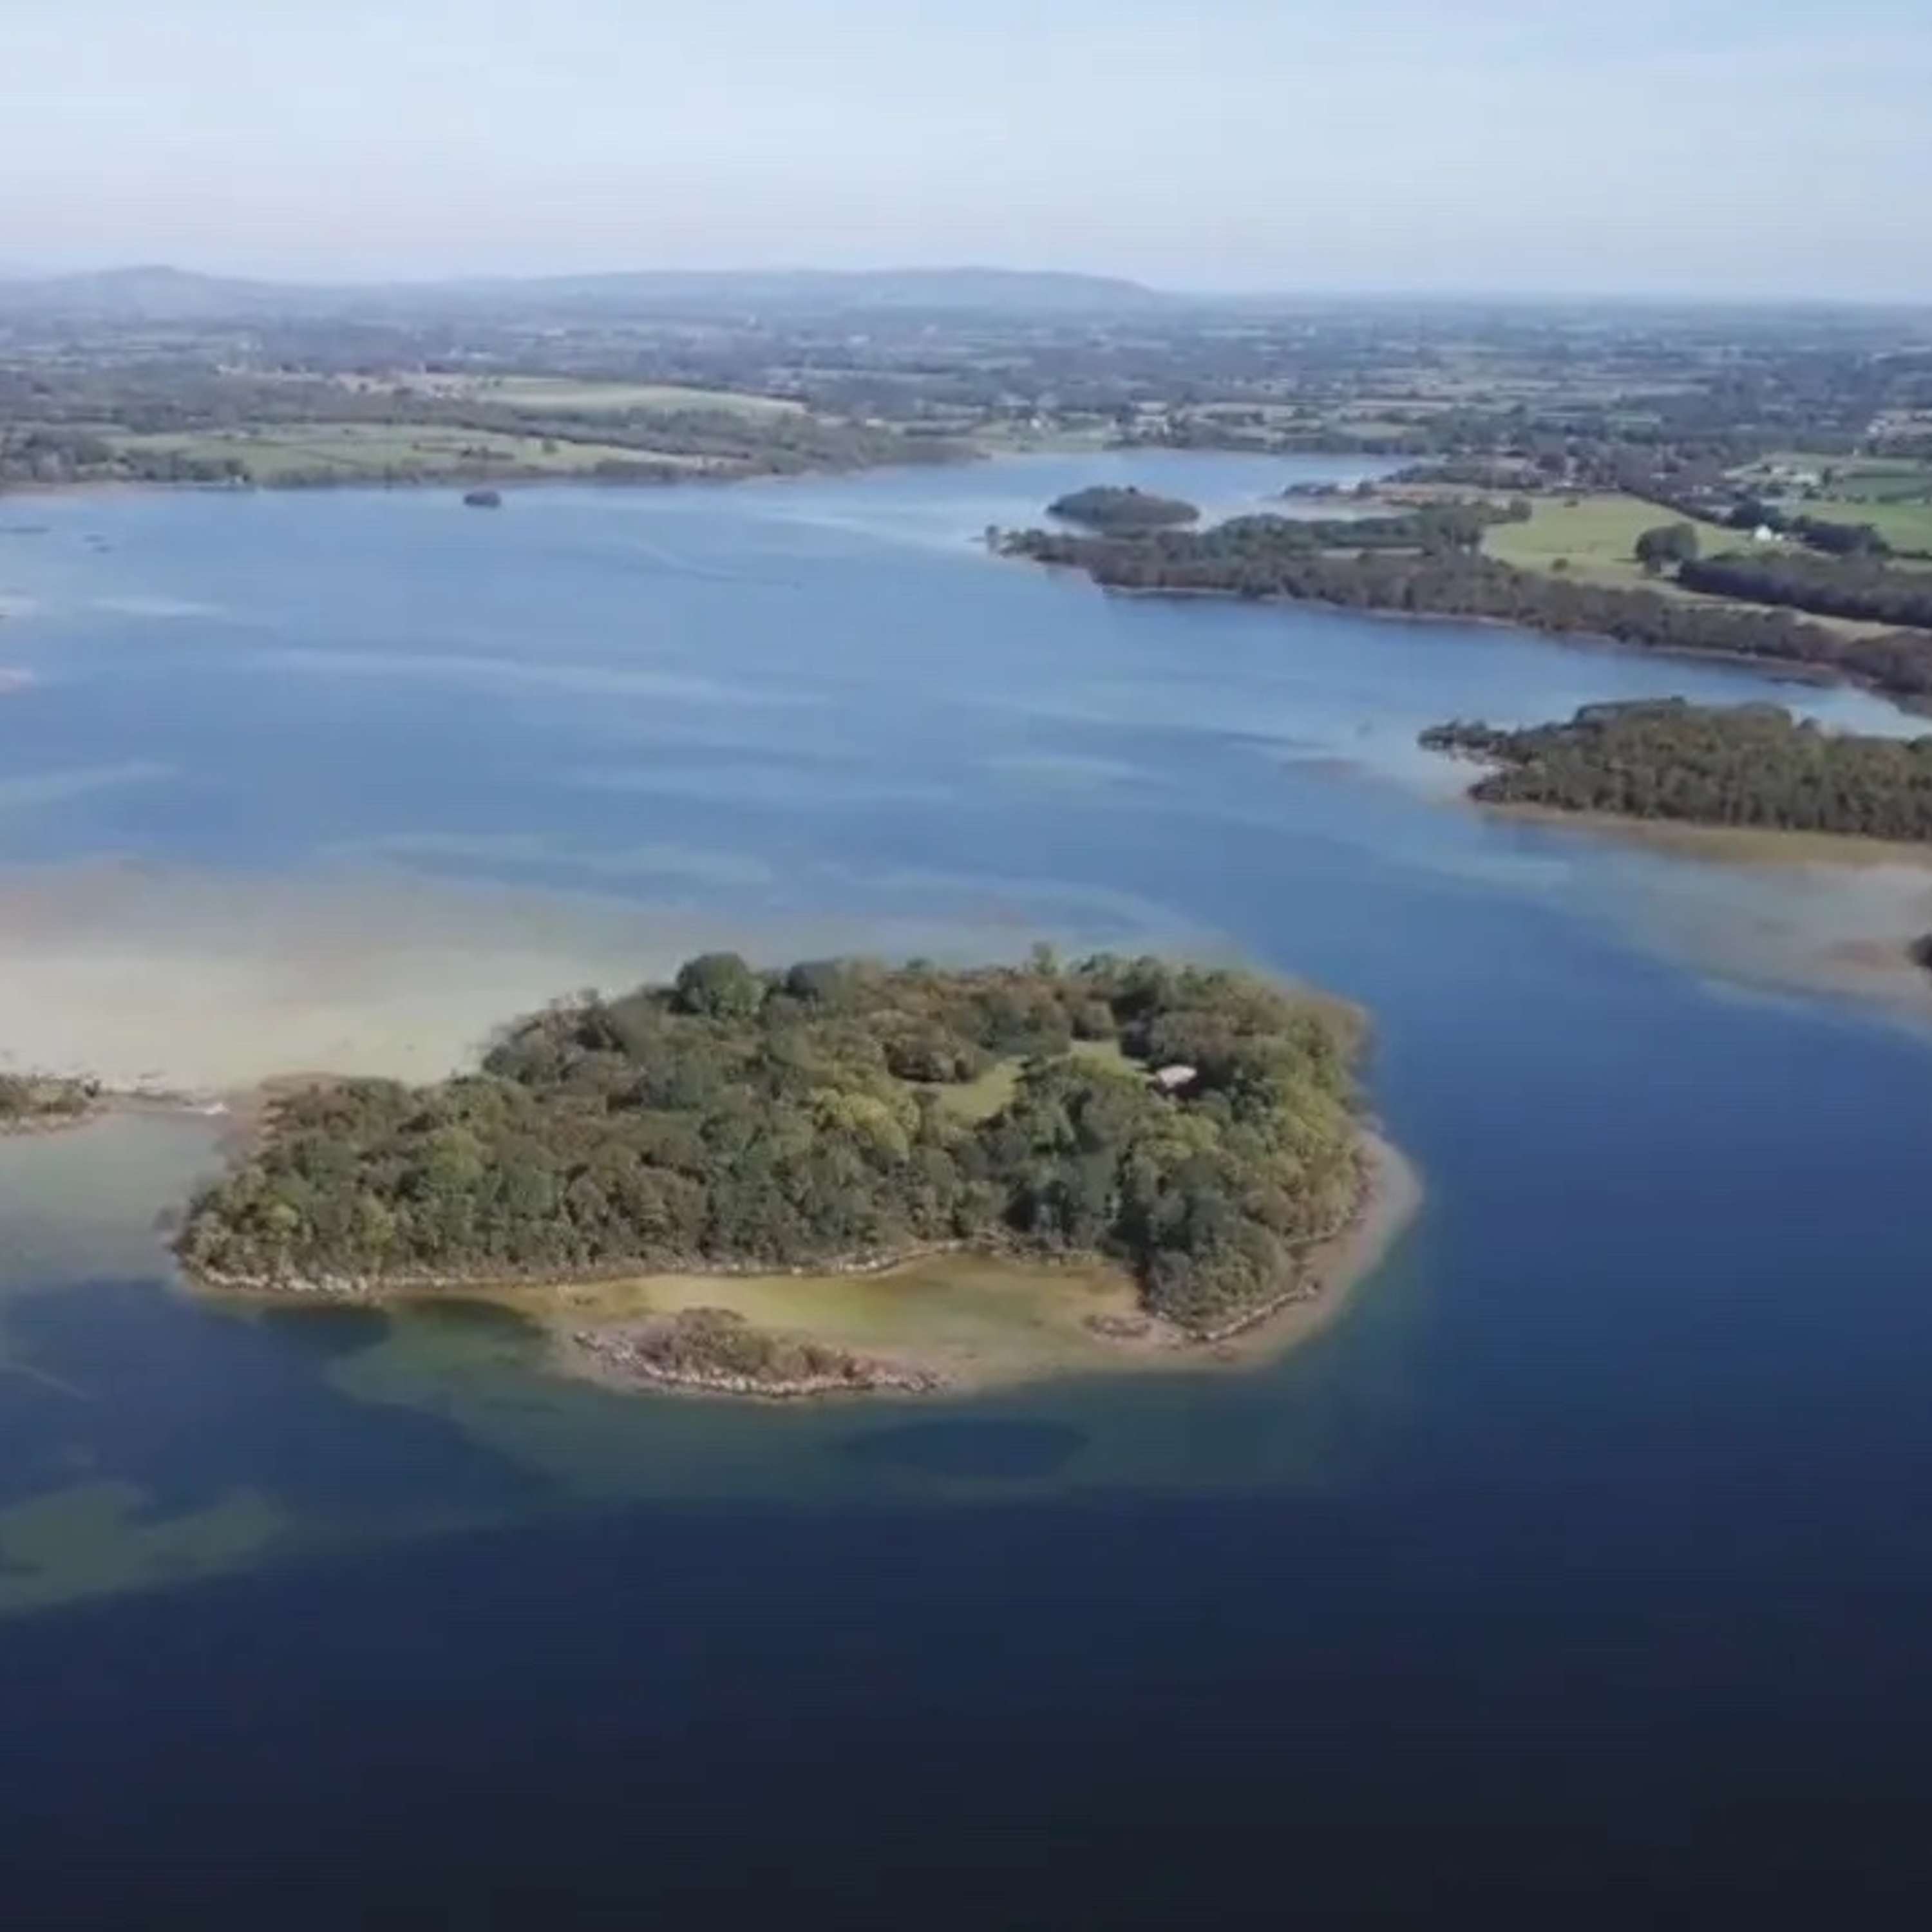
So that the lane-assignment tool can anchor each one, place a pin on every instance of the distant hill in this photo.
(162, 294)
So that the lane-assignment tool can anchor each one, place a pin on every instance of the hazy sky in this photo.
(1645, 146)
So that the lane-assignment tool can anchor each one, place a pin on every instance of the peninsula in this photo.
(1433, 562)
(1747, 765)
(1132, 1156)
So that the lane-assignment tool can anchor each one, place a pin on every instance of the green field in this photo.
(1906, 526)
(1598, 536)
(980, 1099)
(357, 451)
(545, 394)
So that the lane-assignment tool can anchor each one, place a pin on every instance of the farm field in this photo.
(371, 451)
(548, 395)
(1905, 524)
(1596, 535)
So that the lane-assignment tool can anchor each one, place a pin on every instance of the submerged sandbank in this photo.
(1801, 911)
(190, 982)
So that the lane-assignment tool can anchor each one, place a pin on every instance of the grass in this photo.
(368, 451)
(980, 1099)
(1906, 526)
(1892, 494)
(1597, 534)
(544, 394)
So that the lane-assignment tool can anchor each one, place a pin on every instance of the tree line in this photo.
(1438, 571)
(1851, 586)
(1741, 765)
(828, 1114)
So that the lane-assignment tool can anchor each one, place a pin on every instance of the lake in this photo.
(1583, 1563)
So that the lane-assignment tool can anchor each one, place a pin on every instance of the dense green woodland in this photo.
(1103, 507)
(1747, 764)
(1832, 586)
(836, 1113)
(1428, 564)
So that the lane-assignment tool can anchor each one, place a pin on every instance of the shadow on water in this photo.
(177, 1397)
(144, 1436)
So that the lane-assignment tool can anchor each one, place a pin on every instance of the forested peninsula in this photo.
(1196, 1131)
(1429, 563)
(1750, 765)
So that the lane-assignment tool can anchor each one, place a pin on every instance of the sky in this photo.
(1644, 148)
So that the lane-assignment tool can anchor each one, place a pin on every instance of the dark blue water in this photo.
(1581, 1568)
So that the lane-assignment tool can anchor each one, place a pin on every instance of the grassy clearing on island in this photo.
(980, 1099)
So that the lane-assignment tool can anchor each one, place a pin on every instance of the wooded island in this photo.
(1104, 507)
(1196, 1128)
(1742, 765)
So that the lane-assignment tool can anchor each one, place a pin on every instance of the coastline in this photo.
(945, 1323)
(1776, 670)
(1859, 909)
(1767, 845)
(670, 477)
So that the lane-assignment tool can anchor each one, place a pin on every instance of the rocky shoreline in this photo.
(713, 1351)
(379, 1287)
(705, 1349)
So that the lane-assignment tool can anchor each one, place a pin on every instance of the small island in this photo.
(1105, 506)
(1745, 765)
(1133, 1159)
(483, 499)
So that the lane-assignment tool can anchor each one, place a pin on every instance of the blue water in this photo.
(1583, 1565)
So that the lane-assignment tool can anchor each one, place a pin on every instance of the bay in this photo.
(1582, 1561)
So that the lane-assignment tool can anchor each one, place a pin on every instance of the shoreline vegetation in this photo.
(1750, 766)
(917, 1331)
(1430, 561)
(845, 1177)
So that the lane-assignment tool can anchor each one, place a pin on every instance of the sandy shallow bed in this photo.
(973, 1322)
(206, 983)
(1807, 911)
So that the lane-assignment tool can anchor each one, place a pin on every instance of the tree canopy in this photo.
(835, 1113)
(1746, 764)
(1105, 506)
(1666, 544)
(1429, 563)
